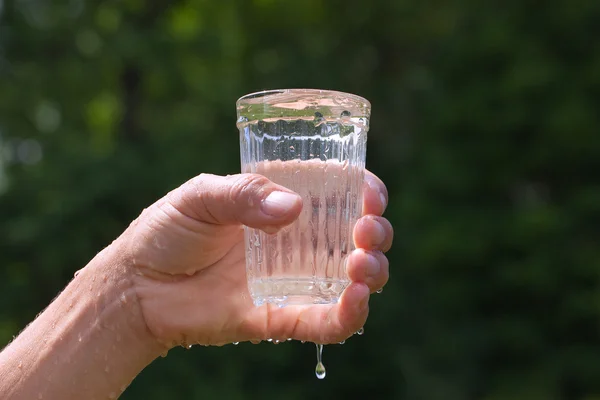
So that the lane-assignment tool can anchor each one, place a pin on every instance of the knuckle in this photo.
(246, 185)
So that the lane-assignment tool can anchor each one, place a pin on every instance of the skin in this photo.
(176, 276)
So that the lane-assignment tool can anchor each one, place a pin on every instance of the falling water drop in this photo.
(320, 368)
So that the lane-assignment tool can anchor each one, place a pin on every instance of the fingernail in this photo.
(383, 200)
(372, 268)
(364, 303)
(277, 204)
(376, 187)
(378, 234)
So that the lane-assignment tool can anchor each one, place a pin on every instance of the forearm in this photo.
(88, 344)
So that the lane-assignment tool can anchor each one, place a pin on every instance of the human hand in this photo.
(186, 256)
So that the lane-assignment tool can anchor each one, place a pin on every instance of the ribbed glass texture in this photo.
(318, 152)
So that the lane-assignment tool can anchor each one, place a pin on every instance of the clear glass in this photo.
(314, 143)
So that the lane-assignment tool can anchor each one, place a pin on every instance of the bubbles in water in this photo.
(320, 368)
(345, 114)
(379, 290)
(360, 331)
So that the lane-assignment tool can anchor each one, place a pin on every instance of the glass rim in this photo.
(300, 92)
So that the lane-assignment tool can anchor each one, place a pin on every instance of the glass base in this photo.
(296, 291)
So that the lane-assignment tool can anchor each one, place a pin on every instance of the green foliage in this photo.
(485, 128)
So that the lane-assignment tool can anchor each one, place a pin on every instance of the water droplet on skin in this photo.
(76, 273)
(123, 298)
(164, 353)
(342, 342)
(20, 364)
(236, 343)
(250, 202)
(79, 337)
(379, 290)
(104, 278)
(320, 368)
(269, 340)
(255, 341)
(360, 331)
(289, 339)
(190, 272)
(275, 341)
(93, 278)
(189, 346)
(303, 341)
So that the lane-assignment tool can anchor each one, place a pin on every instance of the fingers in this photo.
(321, 323)
(375, 195)
(368, 267)
(248, 199)
(373, 233)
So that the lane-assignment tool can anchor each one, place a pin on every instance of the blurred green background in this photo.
(485, 128)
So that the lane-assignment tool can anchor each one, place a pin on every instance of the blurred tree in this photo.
(484, 128)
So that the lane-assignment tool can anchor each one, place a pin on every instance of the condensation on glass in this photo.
(314, 143)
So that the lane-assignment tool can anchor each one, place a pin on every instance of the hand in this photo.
(187, 258)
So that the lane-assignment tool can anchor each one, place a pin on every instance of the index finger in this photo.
(375, 195)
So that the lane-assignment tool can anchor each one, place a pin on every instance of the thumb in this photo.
(248, 199)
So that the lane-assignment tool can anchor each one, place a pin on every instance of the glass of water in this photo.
(314, 143)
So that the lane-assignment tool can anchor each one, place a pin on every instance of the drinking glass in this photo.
(314, 143)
